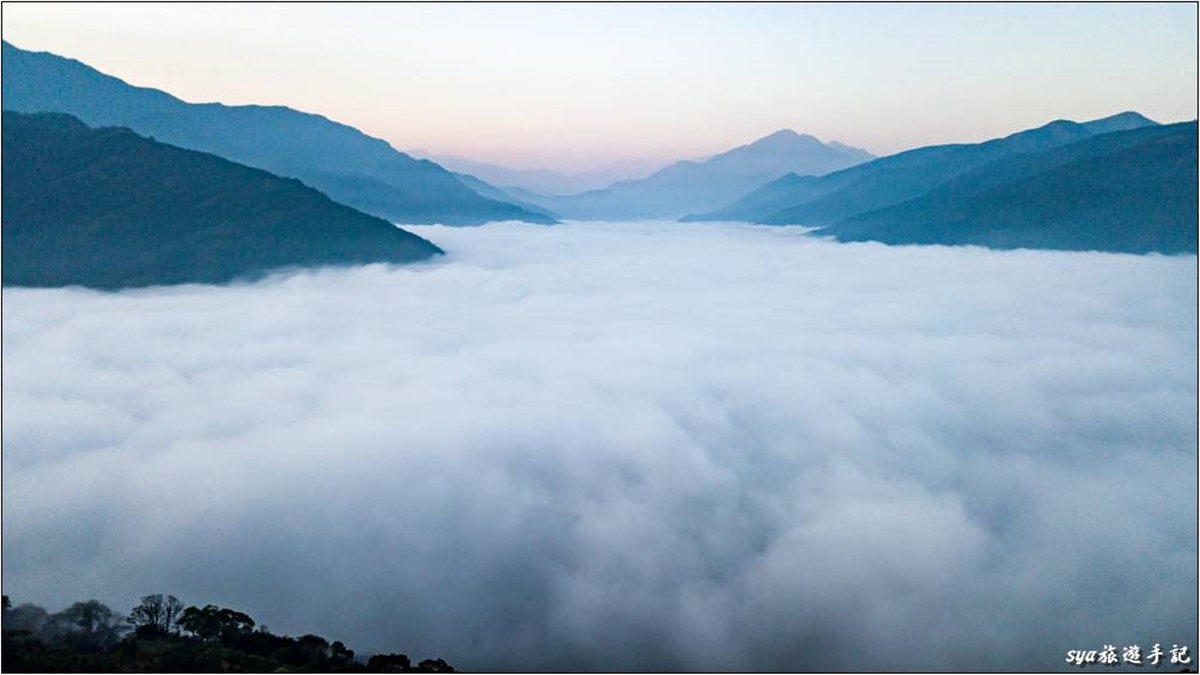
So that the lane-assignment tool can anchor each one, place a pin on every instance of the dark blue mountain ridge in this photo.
(348, 165)
(1128, 191)
(108, 208)
(826, 200)
(911, 174)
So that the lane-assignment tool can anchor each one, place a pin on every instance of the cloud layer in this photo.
(628, 446)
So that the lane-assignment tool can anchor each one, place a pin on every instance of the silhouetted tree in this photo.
(84, 638)
(214, 623)
(389, 663)
(156, 615)
(339, 655)
(314, 650)
(27, 617)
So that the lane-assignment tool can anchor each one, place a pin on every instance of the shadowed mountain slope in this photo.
(343, 162)
(775, 196)
(1129, 191)
(492, 192)
(108, 208)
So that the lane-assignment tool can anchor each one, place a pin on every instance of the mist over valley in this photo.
(809, 346)
(627, 447)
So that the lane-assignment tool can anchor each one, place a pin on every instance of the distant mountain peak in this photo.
(693, 186)
(1127, 116)
(790, 141)
(785, 134)
(1123, 121)
(782, 133)
(785, 138)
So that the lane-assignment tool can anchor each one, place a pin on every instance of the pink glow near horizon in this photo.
(573, 87)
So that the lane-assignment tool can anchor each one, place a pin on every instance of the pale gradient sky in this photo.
(576, 85)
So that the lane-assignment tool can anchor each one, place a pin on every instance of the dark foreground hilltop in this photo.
(160, 635)
(107, 208)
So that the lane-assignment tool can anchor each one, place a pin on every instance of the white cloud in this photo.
(627, 446)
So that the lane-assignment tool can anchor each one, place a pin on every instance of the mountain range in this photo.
(108, 208)
(111, 185)
(825, 200)
(686, 186)
(339, 160)
(1125, 191)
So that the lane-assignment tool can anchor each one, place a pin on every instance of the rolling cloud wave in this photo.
(627, 446)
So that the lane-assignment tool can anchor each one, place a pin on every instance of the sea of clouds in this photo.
(627, 446)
